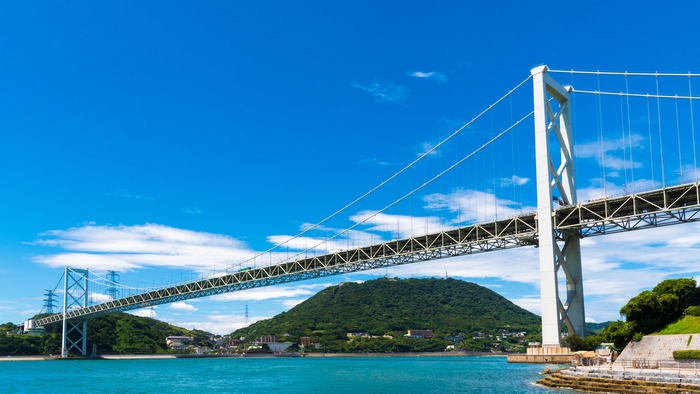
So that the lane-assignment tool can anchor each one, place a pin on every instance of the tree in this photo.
(652, 310)
(619, 333)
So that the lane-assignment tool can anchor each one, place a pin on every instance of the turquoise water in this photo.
(281, 375)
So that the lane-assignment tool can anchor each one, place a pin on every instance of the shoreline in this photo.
(251, 355)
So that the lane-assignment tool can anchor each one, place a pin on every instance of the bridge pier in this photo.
(75, 296)
(557, 249)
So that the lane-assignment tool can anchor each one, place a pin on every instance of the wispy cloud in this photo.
(125, 248)
(514, 180)
(292, 303)
(603, 152)
(476, 206)
(434, 75)
(124, 193)
(272, 292)
(374, 162)
(384, 92)
(192, 211)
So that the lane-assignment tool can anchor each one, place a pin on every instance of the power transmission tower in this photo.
(113, 291)
(49, 301)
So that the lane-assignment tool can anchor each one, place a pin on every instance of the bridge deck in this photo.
(672, 205)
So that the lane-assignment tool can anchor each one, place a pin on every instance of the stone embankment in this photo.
(659, 347)
(622, 382)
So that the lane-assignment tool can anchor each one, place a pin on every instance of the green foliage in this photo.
(116, 333)
(577, 343)
(652, 310)
(382, 306)
(686, 354)
(619, 333)
(686, 325)
(23, 345)
(8, 327)
(128, 334)
(596, 328)
(692, 310)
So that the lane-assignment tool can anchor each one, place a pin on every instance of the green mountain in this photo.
(120, 333)
(596, 328)
(393, 306)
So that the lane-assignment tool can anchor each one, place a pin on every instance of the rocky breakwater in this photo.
(595, 381)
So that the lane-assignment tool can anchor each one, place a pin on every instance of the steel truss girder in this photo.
(656, 208)
(674, 205)
(478, 238)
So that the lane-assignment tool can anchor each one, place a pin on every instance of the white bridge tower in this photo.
(555, 172)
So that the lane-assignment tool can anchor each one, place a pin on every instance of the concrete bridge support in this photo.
(555, 172)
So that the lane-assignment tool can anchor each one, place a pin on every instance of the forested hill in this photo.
(115, 333)
(381, 306)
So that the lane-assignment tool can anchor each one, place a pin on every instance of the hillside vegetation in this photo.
(671, 307)
(119, 333)
(393, 306)
(686, 325)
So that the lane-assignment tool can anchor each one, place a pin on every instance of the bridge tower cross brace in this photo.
(557, 250)
(75, 295)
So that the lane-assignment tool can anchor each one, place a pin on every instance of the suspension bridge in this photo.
(655, 193)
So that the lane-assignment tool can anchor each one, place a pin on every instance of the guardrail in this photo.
(642, 365)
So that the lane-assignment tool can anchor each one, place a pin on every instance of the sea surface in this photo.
(279, 375)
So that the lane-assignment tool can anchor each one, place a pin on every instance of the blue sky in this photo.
(172, 140)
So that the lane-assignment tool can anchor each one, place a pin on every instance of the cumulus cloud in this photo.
(182, 306)
(434, 75)
(384, 92)
(99, 298)
(145, 313)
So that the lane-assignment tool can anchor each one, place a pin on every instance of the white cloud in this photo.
(384, 92)
(99, 297)
(401, 226)
(292, 303)
(603, 152)
(220, 324)
(271, 292)
(476, 206)
(437, 76)
(514, 180)
(375, 162)
(123, 193)
(145, 313)
(182, 306)
(125, 248)
(531, 303)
